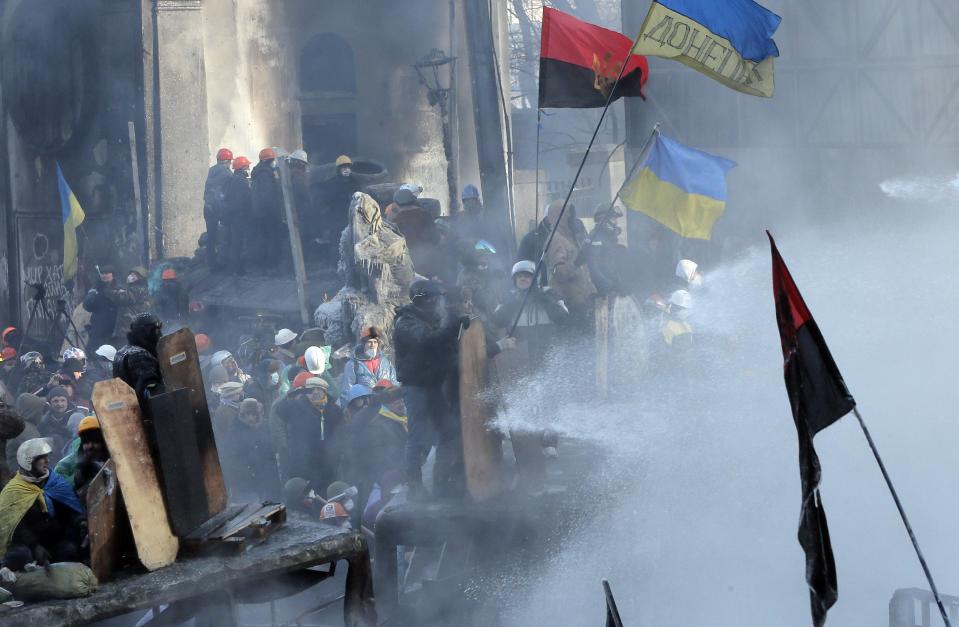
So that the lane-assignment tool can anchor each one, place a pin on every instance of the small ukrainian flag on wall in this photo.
(72, 218)
(680, 187)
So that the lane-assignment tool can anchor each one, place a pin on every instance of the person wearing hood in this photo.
(303, 423)
(540, 316)
(30, 407)
(264, 385)
(41, 518)
(567, 275)
(60, 421)
(88, 454)
(249, 463)
(137, 363)
(213, 201)
(367, 364)
(426, 354)
(238, 215)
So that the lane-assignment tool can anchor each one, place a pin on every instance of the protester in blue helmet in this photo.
(357, 398)
(470, 193)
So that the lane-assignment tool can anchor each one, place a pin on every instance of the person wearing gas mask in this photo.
(605, 256)
(367, 365)
(137, 363)
(426, 347)
(41, 518)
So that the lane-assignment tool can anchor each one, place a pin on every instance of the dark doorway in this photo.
(327, 82)
(327, 136)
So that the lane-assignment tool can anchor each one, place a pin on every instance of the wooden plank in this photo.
(178, 460)
(481, 448)
(122, 425)
(104, 521)
(180, 367)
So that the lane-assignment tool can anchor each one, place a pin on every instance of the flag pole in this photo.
(643, 154)
(539, 124)
(905, 520)
(572, 185)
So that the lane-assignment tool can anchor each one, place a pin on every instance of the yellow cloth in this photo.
(16, 499)
(395, 417)
(674, 329)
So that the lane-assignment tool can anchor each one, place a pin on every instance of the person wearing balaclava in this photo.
(426, 353)
(367, 364)
(304, 422)
(41, 518)
(137, 363)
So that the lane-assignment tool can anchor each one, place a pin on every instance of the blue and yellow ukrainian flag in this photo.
(72, 218)
(730, 41)
(680, 187)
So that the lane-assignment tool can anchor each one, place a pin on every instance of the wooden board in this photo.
(180, 367)
(119, 414)
(104, 521)
(481, 448)
(178, 460)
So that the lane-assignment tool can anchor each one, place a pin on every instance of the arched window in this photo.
(326, 65)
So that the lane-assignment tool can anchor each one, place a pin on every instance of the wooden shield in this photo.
(122, 425)
(180, 367)
(481, 447)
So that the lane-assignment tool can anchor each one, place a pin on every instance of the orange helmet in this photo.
(88, 423)
(300, 379)
(202, 342)
(241, 163)
(267, 153)
(168, 273)
(8, 353)
(334, 513)
(224, 154)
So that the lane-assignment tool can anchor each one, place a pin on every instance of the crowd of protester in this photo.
(333, 431)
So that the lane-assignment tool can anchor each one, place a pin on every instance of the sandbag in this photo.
(63, 580)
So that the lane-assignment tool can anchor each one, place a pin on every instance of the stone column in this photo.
(183, 141)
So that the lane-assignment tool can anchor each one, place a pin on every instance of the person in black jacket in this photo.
(216, 178)
(137, 363)
(605, 256)
(238, 214)
(426, 354)
(269, 230)
(104, 302)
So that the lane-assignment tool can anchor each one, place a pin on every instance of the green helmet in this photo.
(293, 491)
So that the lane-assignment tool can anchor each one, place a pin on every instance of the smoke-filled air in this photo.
(457, 313)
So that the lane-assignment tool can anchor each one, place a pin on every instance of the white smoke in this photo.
(922, 189)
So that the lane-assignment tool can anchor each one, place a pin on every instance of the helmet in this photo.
(140, 270)
(484, 248)
(168, 274)
(317, 382)
(31, 358)
(73, 353)
(315, 360)
(145, 324)
(202, 342)
(382, 385)
(8, 353)
(294, 490)
(335, 489)
(7, 332)
(224, 154)
(681, 298)
(219, 357)
(424, 288)
(107, 352)
(687, 270)
(283, 336)
(343, 160)
(525, 265)
(470, 192)
(300, 380)
(299, 155)
(241, 163)
(267, 153)
(88, 423)
(30, 450)
(407, 194)
(334, 513)
(357, 391)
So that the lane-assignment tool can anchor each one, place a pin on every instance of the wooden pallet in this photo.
(236, 528)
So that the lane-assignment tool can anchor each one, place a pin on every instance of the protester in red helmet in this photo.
(213, 205)
(237, 214)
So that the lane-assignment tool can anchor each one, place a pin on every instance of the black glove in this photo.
(463, 321)
(41, 555)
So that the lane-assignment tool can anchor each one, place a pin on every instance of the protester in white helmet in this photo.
(41, 518)
(538, 309)
(283, 346)
(676, 329)
(687, 271)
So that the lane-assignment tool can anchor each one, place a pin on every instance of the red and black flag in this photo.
(818, 396)
(579, 63)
